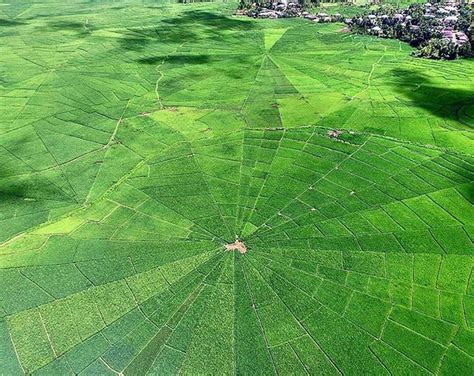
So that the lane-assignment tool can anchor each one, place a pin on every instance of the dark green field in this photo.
(138, 138)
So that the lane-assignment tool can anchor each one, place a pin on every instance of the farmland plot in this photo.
(174, 196)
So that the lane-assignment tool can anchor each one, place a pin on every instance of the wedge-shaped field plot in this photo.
(187, 191)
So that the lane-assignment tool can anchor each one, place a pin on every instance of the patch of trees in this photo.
(438, 31)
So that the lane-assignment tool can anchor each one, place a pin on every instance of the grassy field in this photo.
(137, 138)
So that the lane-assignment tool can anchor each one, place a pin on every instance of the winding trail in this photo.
(158, 97)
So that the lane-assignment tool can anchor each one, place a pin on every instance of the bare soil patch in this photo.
(238, 245)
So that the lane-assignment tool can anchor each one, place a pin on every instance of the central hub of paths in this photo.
(238, 245)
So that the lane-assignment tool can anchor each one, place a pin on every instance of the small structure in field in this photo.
(334, 133)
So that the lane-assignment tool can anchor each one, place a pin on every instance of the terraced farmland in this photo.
(138, 139)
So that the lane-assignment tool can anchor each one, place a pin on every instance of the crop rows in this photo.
(140, 138)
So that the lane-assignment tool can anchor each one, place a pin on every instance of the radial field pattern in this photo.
(186, 191)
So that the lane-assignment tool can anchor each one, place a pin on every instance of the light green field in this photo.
(137, 138)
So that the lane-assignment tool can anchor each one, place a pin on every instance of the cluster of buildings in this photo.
(323, 17)
(283, 10)
(419, 23)
(439, 30)
(280, 9)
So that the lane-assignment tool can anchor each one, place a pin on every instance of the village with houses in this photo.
(439, 30)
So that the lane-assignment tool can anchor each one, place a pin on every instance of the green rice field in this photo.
(139, 138)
